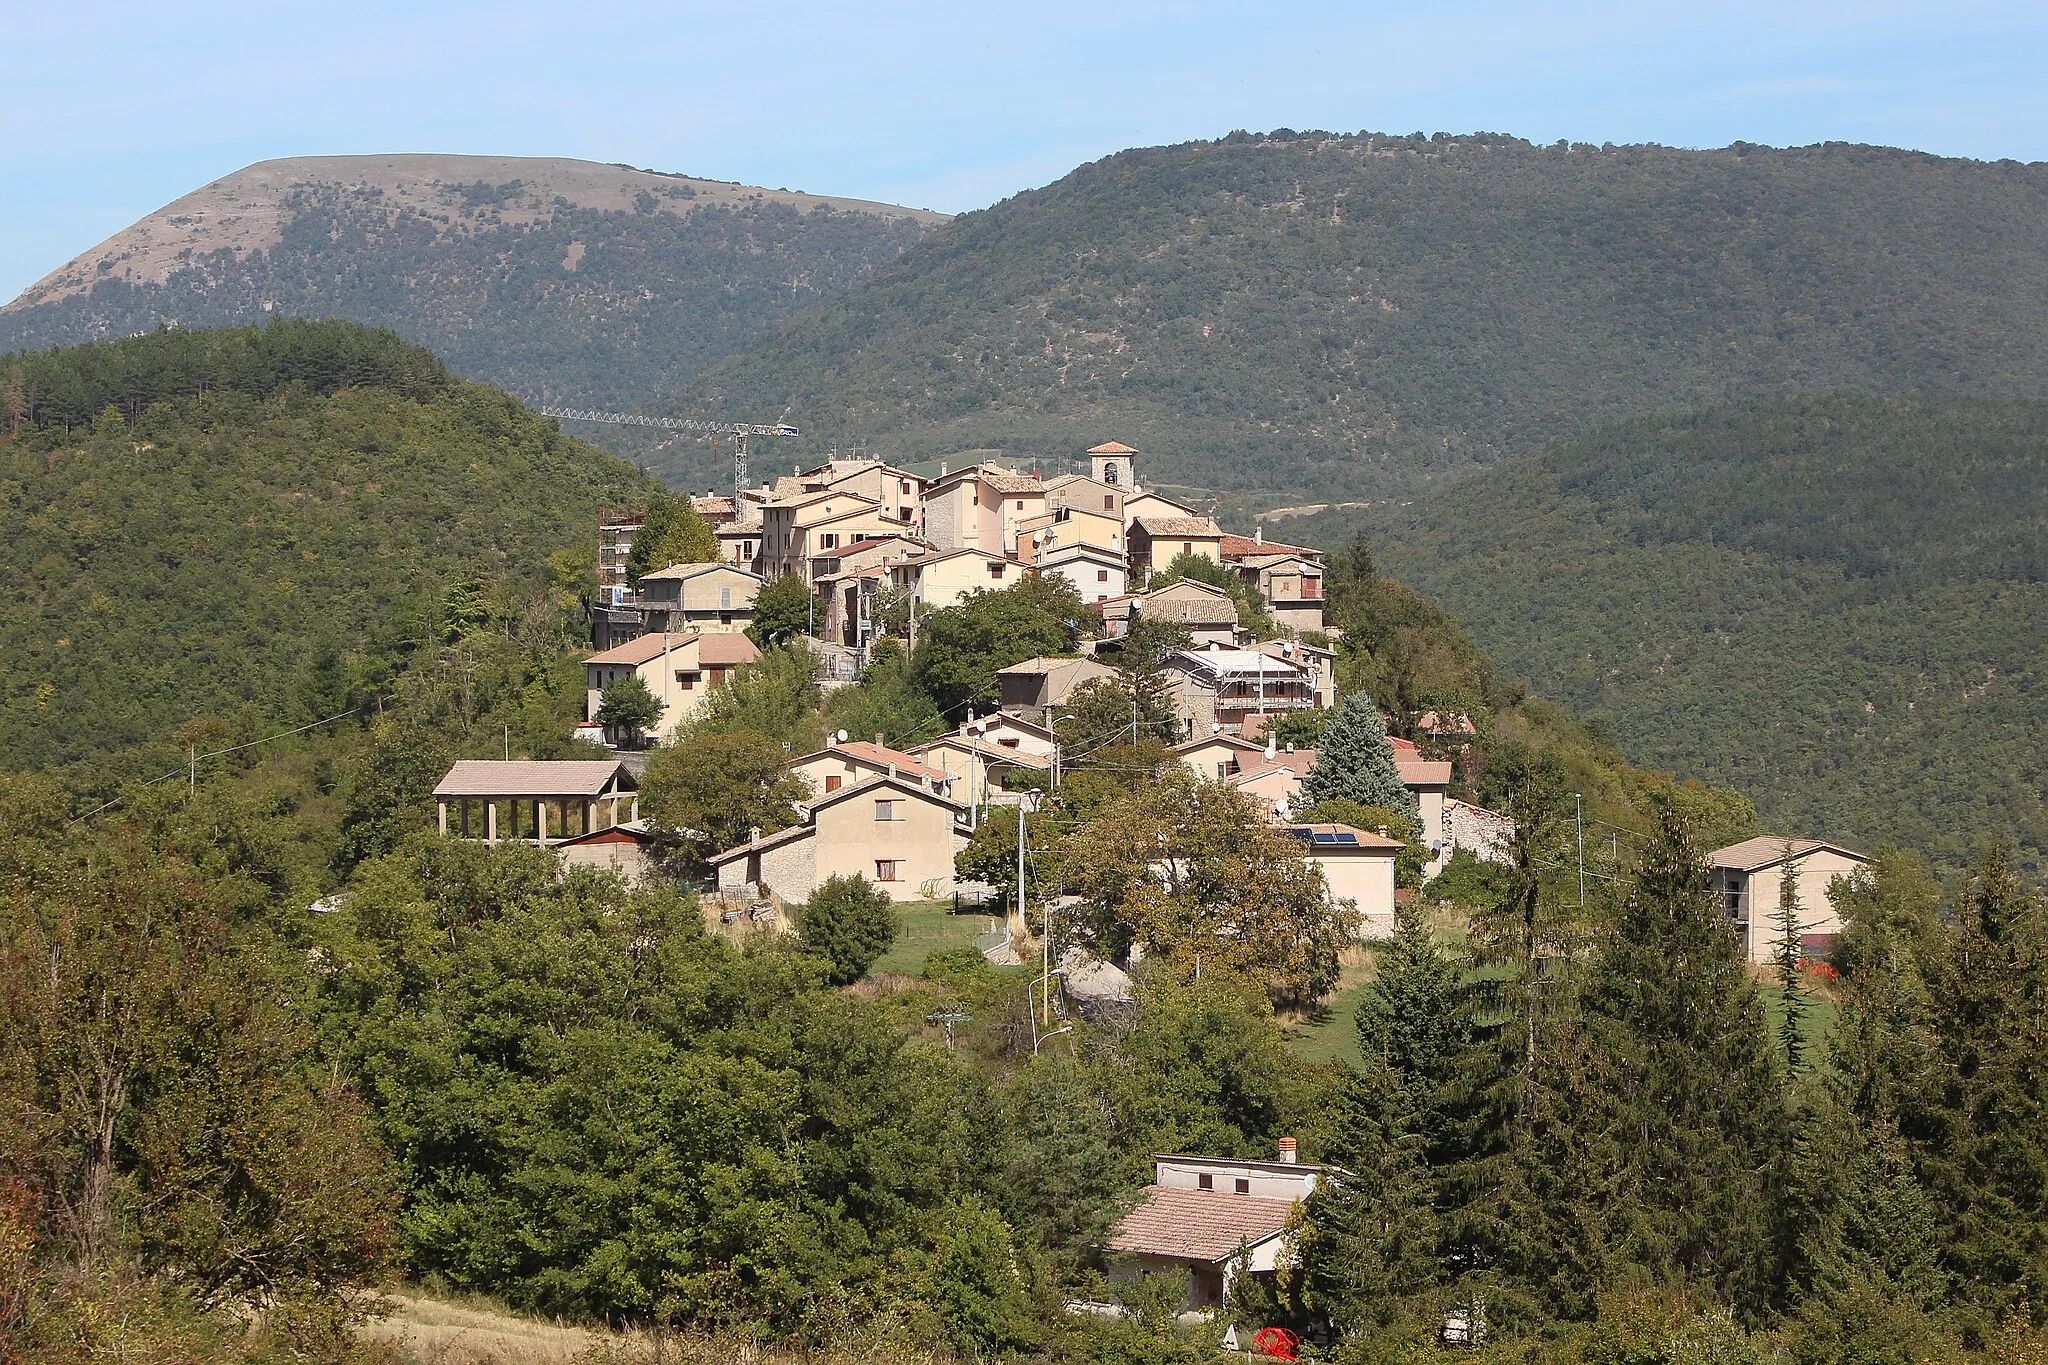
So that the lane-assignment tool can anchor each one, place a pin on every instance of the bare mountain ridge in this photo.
(249, 210)
(562, 281)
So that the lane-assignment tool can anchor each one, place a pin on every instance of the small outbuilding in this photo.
(1215, 1218)
(534, 802)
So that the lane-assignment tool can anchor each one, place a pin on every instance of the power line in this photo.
(232, 749)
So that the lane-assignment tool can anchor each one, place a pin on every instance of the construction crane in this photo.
(739, 431)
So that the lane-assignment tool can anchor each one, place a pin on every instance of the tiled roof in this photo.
(1013, 483)
(1298, 763)
(678, 572)
(1767, 849)
(641, 648)
(1042, 664)
(1421, 772)
(726, 647)
(881, 757)
(1238, 547)
(1329, 836)
(1198, 1225)
(489, 777)
(1180, 526)
(1111, 448)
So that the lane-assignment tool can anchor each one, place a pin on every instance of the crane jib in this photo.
(636, 419)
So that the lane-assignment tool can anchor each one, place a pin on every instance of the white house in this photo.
(1214, 1217)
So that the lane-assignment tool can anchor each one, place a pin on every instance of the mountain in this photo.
(564, 281)
(1348, 317)
(1837, 604)
(259, 526)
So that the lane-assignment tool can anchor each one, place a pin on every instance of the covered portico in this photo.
(535, 803)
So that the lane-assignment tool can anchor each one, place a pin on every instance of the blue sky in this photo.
(110, 110)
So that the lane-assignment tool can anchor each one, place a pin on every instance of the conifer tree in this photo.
(1356, 761)
(1687, 1116)
(1791, 1025)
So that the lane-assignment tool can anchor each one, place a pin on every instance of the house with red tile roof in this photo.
(845, 762)
(682, 671)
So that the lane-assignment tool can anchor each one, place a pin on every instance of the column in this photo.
(441, 816)
(540, 820)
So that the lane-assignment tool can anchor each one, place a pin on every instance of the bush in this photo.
(848, 922)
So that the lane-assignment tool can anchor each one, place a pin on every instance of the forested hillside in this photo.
(1838, 605)
(561, 281)
(1339, 316)
(259, 526)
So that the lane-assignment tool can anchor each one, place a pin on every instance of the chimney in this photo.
(1288, 1154)
(1259, 534)
(754, 834)
(878, 740)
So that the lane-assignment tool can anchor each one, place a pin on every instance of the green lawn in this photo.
(927, 927)
(1331, 1035)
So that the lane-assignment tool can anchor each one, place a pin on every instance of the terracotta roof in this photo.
(740, 528)
(489, 777)
(881, 757)
(1111, 448)
(1768, 849)
(1298, 763)
(711, 505)
(641, 648)
(1234, 741)
(1180, 526)
(1421, 772)
(988, 750)
(1237, 547)
(766, 841)
(1198, 1225)
(726, 647)
(1013, 483)
(1043, 664)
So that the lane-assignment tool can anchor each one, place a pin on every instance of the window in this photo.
(829, 540)
(725, 599)
(1204, 1181)
(1009, 744)
(833, 782)
(1102, 575)
(885, 810)
(1311, 587)
(687, 681)
(885, 869)
(903, 485)
(1244, 1186)
(995, 570)
(1109, 502)
(1187, 547)
(1020, 505)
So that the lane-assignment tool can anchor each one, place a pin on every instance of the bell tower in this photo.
(1112, 463)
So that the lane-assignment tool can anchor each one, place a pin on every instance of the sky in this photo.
(109, 110)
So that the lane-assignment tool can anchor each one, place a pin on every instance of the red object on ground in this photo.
(1277, 1342)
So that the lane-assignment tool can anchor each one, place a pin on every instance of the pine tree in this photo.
(1356, 761)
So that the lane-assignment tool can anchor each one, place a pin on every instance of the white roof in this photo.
(1233, 662)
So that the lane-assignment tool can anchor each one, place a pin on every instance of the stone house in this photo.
(1033, 686)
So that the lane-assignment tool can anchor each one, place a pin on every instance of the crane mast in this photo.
(739, 431)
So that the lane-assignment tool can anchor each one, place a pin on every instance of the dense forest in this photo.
(1341, 316)
(1834, 604)
(557, 302)
(252, 529)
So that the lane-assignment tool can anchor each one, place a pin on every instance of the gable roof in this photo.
(880, 756)
(521, 777)
(1005, 718)
(1768, 850)
(641, 648)
(1198, 1225)
(680, 572)
(1080, 549)
(1142, 495)
(1238, 547)
(1195, 526)
(1233, 741)
(1422, 772)
(1015, 757)
(1046, 664)
(1111, 448)
(901, 784)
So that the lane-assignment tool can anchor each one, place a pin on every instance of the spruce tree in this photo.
(1356, 761)
(1791, 1024)
(1687, 1118)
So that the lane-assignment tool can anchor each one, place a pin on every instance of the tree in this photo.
(776, 696)
(1356, 761)
(672, 533)
(961, 648)
(1791, 1023)
(627, 706)
(783, 611)
(1192, 872)
(849, 922)
(711, 791)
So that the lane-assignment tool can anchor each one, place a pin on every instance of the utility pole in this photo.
(1022, 924)
(1579, 820)
(191, 772)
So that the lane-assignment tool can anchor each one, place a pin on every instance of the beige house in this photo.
(893, 831)
(1217, 756)
(682, 671)
(534, 802)
(1218, 687)
(1213, 1218)
(1097, 575)
(1029, 688)
(739, 543)
(710, 598)
(898, 492)
(1146, 504)
(1288, 576)
(1357, 867)
(981, 507)
(1750, 876)
(849, 762)
(976, 767)
(1208, 612)
(1068, 527)
(938, 581)
(1155, 542)
(797, 530)
(1081, 493)
(1430, 782)
(1274, 779)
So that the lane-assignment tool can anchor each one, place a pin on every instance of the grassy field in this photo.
(927, 927)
